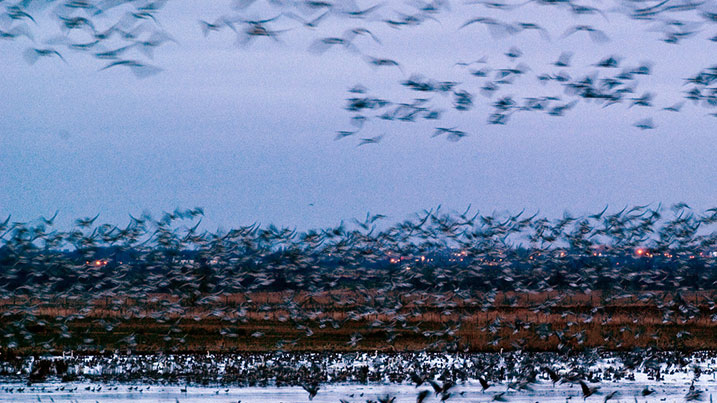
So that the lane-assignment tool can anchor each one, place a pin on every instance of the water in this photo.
(672, 390)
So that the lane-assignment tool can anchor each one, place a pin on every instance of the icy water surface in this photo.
(630, 391)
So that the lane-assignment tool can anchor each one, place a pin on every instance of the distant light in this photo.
(639, 251)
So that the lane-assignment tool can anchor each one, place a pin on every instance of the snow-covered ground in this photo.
(512, 376)
(543, 392)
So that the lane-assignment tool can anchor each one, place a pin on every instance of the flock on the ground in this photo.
(643, 374)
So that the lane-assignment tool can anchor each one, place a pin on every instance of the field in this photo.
(346, 320)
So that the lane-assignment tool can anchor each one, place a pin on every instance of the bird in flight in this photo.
(371, 140)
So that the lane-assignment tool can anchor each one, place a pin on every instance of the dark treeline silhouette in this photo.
(633, 249)
(520, 269)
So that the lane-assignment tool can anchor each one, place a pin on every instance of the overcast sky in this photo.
(248, 132)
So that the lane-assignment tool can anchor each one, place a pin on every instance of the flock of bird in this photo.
(453, 264)
(470, 257)
(496, 376)
(124, 33)
(109, 31)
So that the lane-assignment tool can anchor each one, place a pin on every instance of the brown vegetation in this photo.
(265, 321)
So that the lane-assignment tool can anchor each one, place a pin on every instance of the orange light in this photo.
(639, 252)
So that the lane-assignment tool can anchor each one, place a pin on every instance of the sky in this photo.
(248, 132)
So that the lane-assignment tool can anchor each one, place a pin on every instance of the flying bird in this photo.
(595, 34)
(371, 140)
(645, 124)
